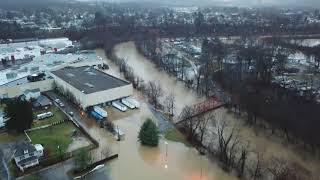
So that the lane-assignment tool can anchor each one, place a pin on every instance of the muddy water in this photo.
(259, 142)
(139, 162)
(270, 146)
(143, 163)
(142, 67)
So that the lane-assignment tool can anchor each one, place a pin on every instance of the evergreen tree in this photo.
(20, 115)
(82, 159)
(149, 133)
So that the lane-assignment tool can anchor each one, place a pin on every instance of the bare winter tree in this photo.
(283, 170)
(189, 123)
(256, 172)
(241, 165)
(203, 125)
(228, 139)
(154, 93)
(170, 104)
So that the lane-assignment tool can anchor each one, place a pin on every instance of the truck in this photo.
(36, 77)
(96, 116)
(133, 101)
(119, 106)
(98, 113)
(127, 103)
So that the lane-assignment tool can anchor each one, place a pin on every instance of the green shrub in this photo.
(149, 133)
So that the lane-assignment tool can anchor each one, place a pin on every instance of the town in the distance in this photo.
(142, 89)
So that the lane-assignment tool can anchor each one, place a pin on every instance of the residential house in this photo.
(42, 102)
(27, 155)
(31, 94)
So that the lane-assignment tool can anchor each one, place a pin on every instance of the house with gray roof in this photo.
(27, 155)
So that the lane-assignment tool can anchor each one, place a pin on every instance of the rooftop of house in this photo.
(24, 148)
(88, 79)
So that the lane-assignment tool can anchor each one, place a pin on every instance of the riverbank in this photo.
(259, 142)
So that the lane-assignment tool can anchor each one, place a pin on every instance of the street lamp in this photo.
(166, 165)
(166, 143)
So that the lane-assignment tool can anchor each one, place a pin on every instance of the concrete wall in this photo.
(18, 90)
(108, 95)
(96, 98)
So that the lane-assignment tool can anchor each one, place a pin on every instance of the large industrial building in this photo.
(90, 86)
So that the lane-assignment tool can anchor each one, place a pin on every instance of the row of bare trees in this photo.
(151, 89)
(224, 142)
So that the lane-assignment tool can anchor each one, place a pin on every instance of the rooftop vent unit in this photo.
(89, 85)
(11, 75)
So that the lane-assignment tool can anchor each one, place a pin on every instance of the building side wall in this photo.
(80, 96)
(96, 98)
(108, 95)
(18, 90)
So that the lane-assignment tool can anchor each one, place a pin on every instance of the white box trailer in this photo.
(100, 111)
(127, 103)
(44, 115)
(119, 106)
(133, 102)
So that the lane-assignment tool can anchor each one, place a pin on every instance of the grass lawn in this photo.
(58, 116)
(9, 137)
(54, 136)
(174, 135)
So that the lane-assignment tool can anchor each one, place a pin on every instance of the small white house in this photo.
(27, 155)
(31, 94)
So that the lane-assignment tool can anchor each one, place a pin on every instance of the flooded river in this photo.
(145, 69)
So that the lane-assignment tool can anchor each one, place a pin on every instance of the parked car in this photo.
(61, 104)
(57, 101)
(71, 113)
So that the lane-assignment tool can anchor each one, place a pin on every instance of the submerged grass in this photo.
(175, 135)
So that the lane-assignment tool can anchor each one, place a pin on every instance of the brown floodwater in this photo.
(174, 161)
(145, 69)
(183, 162)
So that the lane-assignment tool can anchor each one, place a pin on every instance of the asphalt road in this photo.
(69, 107)
(4, 172)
